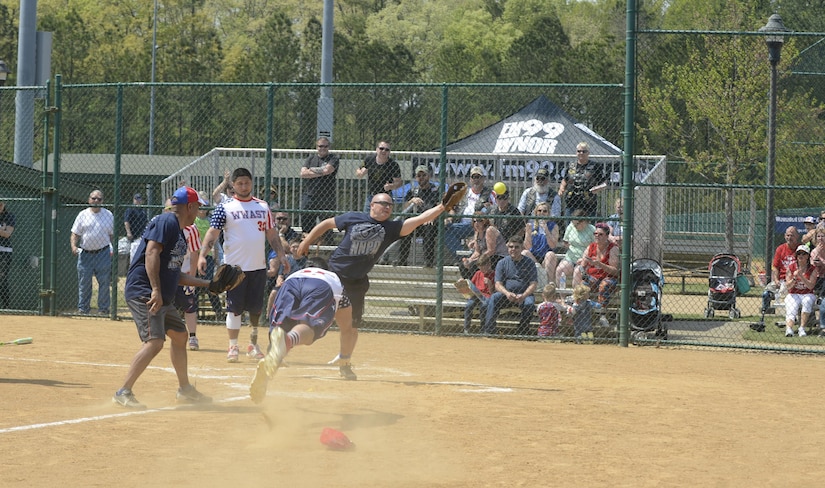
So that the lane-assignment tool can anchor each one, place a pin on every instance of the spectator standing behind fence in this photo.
(320, 188)
(800, 279)
(577, 236)
(615, 223)
(582, 182)
(541, 191)
(783, 257)
(91, 240)
(382, 172)
(134, 221)
(247, 225)
(504, 215)
(7, 223)
(516, 280)
(479, 197)
(422, 197)
(482, 286)
(541, 236)
(548, 309)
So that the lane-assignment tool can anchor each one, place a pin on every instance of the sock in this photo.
(253, 336)
(292, 339)
(122, 391)
(233, 342)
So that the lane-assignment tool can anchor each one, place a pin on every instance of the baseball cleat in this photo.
(345, 370)
(257, 390)
(276, 353)
(127, 399)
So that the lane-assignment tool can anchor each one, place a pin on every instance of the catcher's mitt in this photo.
(454, 195)
(226, 278)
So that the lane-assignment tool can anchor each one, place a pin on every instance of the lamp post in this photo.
(774, 30)
(152, 87)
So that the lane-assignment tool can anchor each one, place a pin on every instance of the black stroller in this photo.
(723, 270)
(646, 281)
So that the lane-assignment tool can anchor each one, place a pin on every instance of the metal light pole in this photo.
(152, 87)
(774, 30)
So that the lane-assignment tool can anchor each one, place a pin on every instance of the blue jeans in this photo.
(498, 301)
(98, 265)
(471, 304)
(454, 233)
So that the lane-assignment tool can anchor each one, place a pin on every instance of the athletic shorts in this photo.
(304, 301)
(186, 303)
(355, 292)
(249, 295)
(155, 326)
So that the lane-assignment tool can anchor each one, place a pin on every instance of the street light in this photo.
(4, 72)
(774, 31)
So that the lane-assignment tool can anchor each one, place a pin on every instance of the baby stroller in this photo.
(723, 270)
(646, 282)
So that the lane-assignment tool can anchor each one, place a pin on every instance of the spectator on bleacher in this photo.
(320, 189)
(782, 258)
(271, 198)
(459, 226)
(487, 241)
(541, 236)
(809, 237)
(383, 173)
(541, 191)
(577, 236)
(284, 224)
(516, 280)
(482, 286)
(421, 197)
(599, 265)
(615, 223)
(583, 180)
(800, 279)
(505, 219)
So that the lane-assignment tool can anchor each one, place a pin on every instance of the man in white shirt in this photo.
(91, 240)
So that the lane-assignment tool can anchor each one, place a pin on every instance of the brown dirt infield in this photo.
(426, 412)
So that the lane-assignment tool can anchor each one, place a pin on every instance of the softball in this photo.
(500, 188)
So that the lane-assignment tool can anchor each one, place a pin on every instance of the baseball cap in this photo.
(184, 195)
(138, 196)
(803, 248)
(477, 170)
(809, 220)
(422, 168)
(543, 173)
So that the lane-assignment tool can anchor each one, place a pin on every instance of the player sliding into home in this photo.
(303, 311)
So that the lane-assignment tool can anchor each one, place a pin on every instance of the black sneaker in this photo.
(127, 399)
(346, 372)
(190, 395)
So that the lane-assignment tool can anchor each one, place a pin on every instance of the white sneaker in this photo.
(788, 332)
(276, 353)
(232, 354)
(193, 344)
(254, 351)
(801, 331)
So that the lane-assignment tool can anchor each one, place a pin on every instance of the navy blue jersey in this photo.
(166, 230)
(365, 240)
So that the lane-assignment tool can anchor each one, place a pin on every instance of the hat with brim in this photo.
(184, 195)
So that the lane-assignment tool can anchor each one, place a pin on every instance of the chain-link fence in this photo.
(703, 103)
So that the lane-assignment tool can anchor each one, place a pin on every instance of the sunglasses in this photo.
(581, 151)
(541, 178)
(383, 149)
(323, 145)
(280, 219)
(383, 203)
(475, 177)
(801, 254)
(478, 221)
(502, 197)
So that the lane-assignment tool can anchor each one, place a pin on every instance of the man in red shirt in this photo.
(782, 258)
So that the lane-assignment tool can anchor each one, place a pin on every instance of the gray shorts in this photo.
(155, 326)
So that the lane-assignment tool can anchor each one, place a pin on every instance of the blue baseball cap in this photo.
(184, 195)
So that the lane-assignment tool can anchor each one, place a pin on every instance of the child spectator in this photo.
(482, 286)
(582, 312)
(549, 316)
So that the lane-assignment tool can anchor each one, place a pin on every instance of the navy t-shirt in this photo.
(516, 275)
(365, 240)
(166, 230)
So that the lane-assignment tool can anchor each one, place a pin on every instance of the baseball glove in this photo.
(226, 278)
(454, 195)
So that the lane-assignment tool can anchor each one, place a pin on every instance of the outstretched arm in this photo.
(413, 223)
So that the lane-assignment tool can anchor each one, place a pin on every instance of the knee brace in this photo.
(233, 321)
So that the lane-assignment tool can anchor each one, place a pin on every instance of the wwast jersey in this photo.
(244, 223)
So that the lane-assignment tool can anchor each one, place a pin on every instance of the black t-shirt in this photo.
(379, 175)
(580, 179)
(322, 185)
(365, 240)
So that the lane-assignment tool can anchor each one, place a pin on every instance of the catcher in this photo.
(151, 284)
(366, 237)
